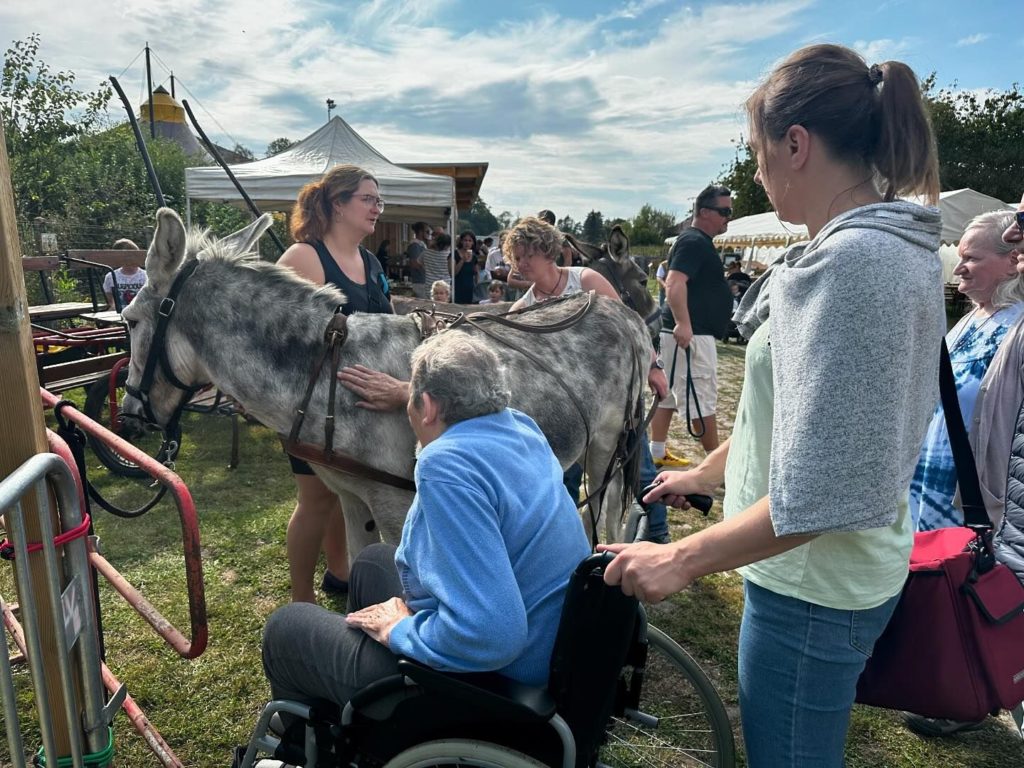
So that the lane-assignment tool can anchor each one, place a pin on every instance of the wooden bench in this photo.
(61, 377)
(97, 262)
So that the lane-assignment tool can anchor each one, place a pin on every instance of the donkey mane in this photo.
(202, 246)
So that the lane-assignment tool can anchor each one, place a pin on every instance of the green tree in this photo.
(569, 226)
(980, 138)
(244, 152)
(479, 218)
(593, 228)
(748, 197)
(506, 219)
(651, 226)
(43, 113)
(277, 146)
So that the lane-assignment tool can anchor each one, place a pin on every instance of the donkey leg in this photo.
(360, 529)
(608, 507)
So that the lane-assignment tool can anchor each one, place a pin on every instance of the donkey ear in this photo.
(585, 250)
(618, 244)
(167, 249)
(244, 239)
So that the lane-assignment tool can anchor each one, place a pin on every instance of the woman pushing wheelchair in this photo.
(841, 379)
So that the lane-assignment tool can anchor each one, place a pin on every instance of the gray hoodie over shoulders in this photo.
(857, 320)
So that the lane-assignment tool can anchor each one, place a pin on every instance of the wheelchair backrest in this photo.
(595, 634)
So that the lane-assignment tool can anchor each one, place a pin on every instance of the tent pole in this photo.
(188, 210)
(452, 220)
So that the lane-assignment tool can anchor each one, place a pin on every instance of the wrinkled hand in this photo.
(650, 572)
(379, 392)
(683, 334)
(658, 381)
(378, 620)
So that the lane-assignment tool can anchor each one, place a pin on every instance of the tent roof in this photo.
(274, 182)
(957, 207)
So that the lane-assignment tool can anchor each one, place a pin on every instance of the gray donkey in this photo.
(254, 330)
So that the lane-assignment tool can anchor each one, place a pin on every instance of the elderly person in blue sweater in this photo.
(478, 579)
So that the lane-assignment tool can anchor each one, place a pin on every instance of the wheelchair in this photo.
(621, 693)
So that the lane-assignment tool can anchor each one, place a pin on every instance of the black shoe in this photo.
(937, 726)
(332, 585)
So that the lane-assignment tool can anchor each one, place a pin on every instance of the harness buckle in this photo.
(166, 307)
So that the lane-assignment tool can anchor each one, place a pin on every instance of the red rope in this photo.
(7, 549)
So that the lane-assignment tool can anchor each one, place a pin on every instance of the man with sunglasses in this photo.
(697, 308)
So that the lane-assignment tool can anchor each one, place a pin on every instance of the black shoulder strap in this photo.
(975, 515)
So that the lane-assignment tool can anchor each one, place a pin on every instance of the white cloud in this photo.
(978, 37)
(885, 49)
(630, 104)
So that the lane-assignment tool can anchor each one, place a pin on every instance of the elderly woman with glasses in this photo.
(331, 218)
(987, 276)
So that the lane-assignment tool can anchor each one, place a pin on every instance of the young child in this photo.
(440, 292)
(495, 293)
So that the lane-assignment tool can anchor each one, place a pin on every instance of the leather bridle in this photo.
(616, 280)
(158, 356)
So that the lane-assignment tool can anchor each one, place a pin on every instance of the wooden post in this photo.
(23, 432)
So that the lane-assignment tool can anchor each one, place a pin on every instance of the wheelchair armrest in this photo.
(484, 689)
(378, 689)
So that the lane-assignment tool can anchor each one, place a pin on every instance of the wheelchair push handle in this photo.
(595, 562)
(700, 501)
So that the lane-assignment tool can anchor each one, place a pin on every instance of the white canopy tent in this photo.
(274, 183)
(762, 236)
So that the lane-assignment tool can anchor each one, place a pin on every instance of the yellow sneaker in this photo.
(670, 460)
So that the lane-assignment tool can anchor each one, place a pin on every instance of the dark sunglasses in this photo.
(723, 212)
(1020, 221)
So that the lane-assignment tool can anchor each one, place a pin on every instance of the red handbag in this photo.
(955, 645)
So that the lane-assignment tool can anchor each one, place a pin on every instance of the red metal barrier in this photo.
(185, 647)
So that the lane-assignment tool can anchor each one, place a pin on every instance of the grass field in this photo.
(205, 707)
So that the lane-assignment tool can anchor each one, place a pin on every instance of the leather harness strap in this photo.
(335, 337)
(314, 454)
(431, 321)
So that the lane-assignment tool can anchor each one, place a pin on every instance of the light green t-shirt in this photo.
(848, 571)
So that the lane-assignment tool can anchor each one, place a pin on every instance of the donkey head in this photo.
(163, 370)
(614, 263)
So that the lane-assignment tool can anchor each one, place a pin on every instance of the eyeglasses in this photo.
(1020, 221)
(724, 212)
(372, 201)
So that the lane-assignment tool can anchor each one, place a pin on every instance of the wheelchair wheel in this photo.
(148, 439)
(681, 720)
(459, 752)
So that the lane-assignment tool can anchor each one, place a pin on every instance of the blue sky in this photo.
(576, 105)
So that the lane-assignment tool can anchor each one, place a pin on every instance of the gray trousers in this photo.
(311, 655)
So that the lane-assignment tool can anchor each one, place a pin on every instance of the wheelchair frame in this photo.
(374, 715)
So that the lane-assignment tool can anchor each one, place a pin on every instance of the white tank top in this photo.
(573, 284)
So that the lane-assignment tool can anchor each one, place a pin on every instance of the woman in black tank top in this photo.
(331, 218)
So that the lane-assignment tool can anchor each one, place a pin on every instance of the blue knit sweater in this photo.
(487, 550)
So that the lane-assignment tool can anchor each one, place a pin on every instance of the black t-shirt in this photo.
(708, 298)
(372, 296)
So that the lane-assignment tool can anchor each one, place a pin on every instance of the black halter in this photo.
(158, 354)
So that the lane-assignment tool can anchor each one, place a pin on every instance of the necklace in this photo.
(970, 330)
(554, 288)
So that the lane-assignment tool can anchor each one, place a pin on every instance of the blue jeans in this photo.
(798, 669)
(657, 514)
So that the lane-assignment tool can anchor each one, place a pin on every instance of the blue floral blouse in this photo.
(972, 344)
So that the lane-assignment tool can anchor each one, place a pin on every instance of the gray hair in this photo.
(461, 374)
(989, 228)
